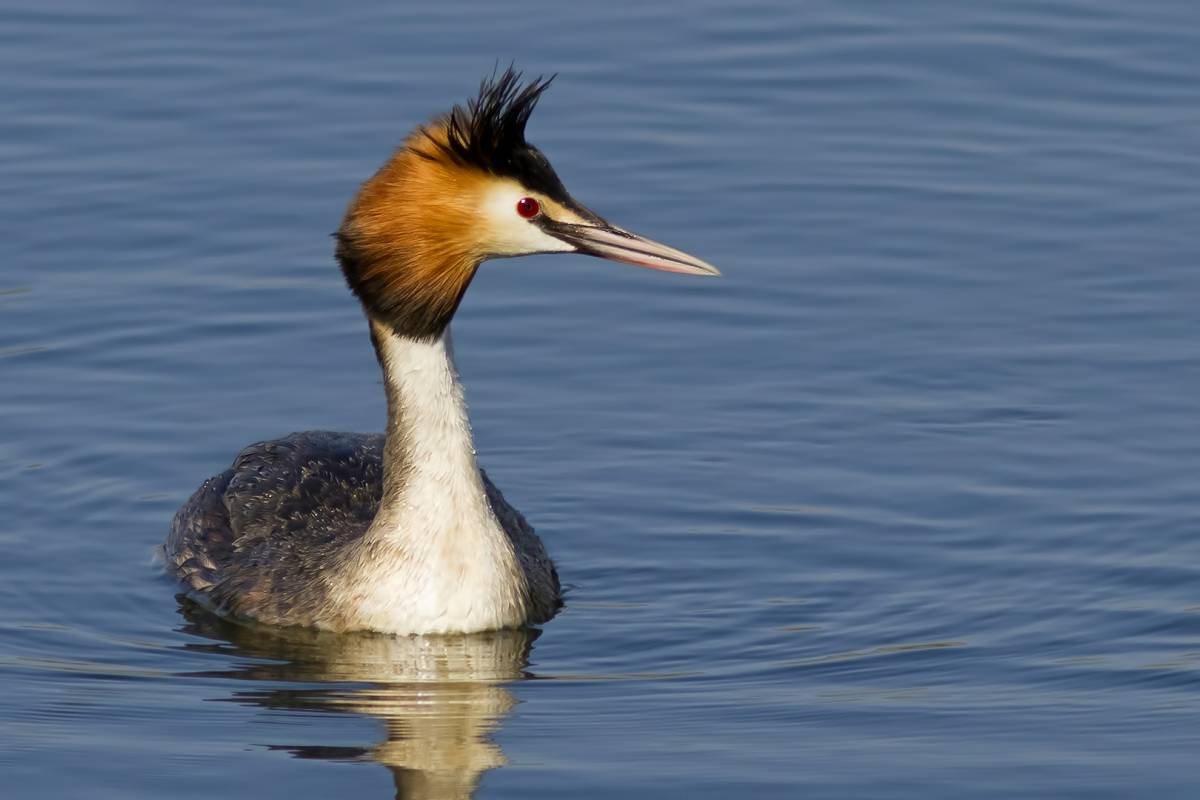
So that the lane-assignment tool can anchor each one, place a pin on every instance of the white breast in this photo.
(435, 559)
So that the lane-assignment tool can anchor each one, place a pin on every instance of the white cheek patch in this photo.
(510, 234)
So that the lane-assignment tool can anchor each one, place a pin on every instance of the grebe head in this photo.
(462, 189)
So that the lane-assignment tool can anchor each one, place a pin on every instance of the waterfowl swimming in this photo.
(402, 532)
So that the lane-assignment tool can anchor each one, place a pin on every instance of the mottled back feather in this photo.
(259, 540)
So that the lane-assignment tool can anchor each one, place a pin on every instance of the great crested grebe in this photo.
(401, 532)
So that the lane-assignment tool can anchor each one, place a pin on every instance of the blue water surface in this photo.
(904, 506)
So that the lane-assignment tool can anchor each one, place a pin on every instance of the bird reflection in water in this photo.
(440, 697)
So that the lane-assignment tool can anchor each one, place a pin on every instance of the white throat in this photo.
(427, 419)
(435, 558)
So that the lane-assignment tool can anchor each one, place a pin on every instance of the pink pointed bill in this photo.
(616, 244)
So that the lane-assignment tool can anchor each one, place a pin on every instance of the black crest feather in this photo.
(489, 133)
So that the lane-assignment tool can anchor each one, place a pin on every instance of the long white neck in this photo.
(430, 454)
(435, 558)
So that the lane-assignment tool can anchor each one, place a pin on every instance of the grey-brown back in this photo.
(259, 539)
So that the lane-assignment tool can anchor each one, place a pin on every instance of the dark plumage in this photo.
(254, 539)
(257, 541)
(490, 129)
(489, 133)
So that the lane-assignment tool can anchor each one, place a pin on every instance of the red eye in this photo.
(528, 208)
